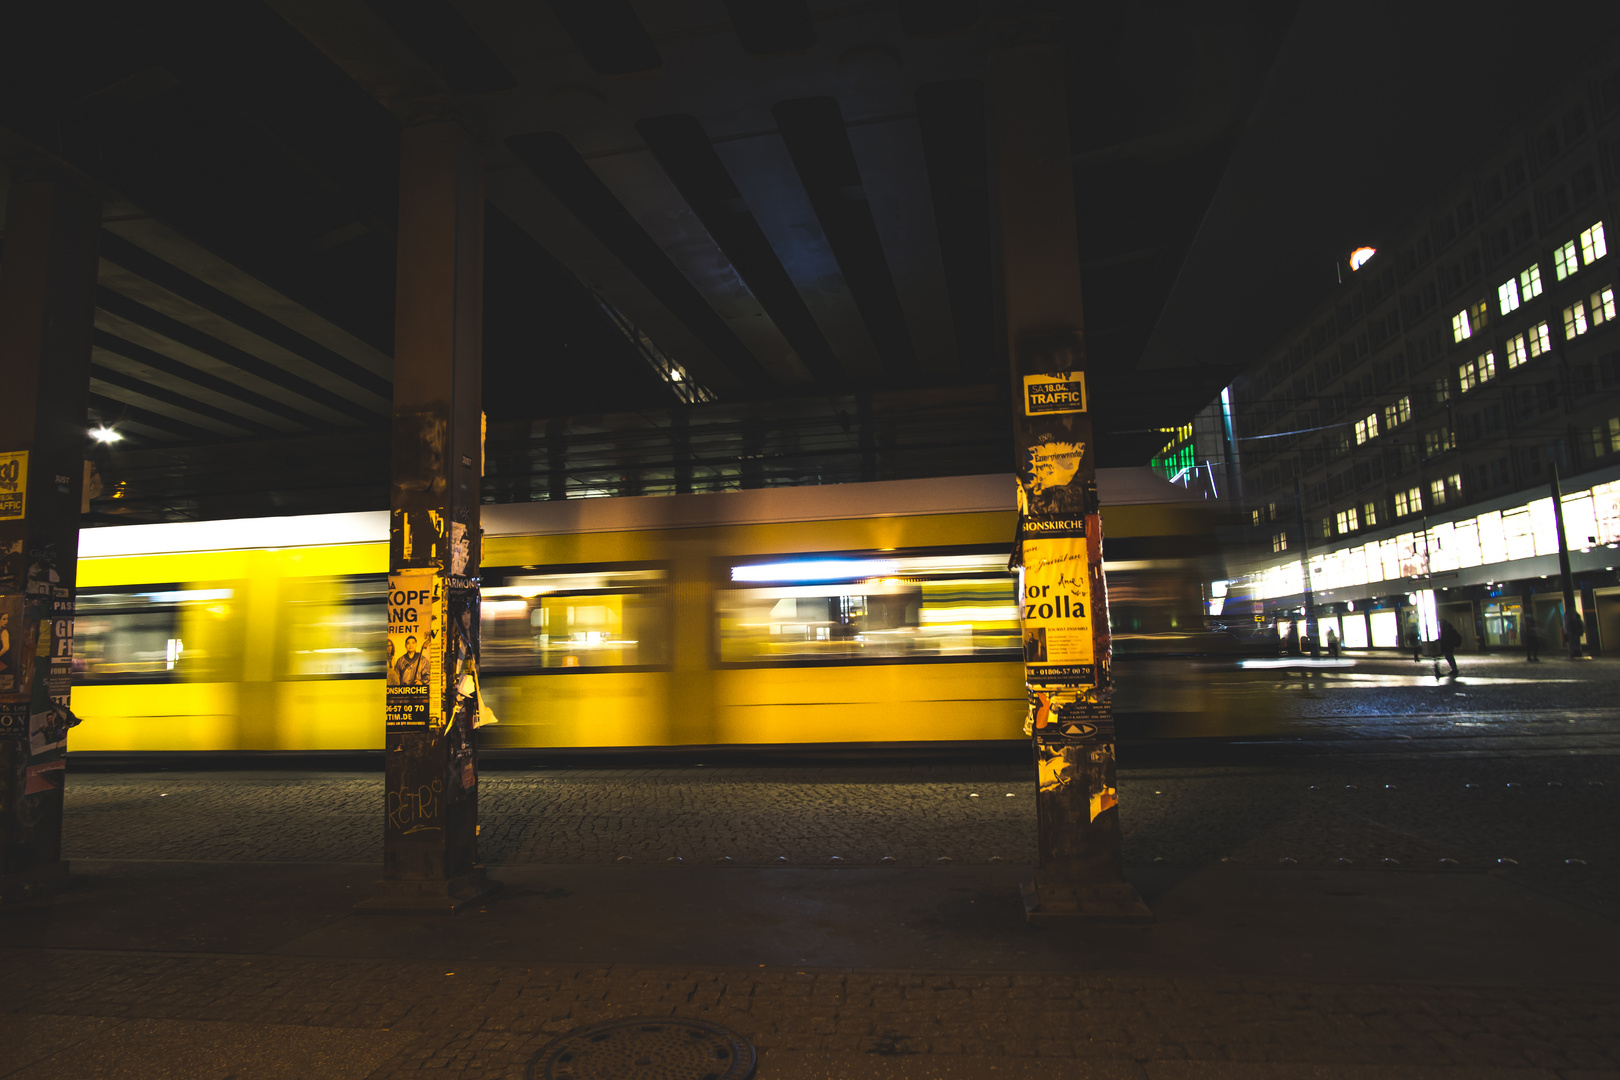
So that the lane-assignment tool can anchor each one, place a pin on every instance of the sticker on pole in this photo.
(13, 484)
(1064, 392)
(415, 668)
(1055, 614)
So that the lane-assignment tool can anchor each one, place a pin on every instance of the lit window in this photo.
(1327, 528)
(1438, 441)
(1437, 493)
(1602, 306)
(1366, 429)
(1565, 261)
(1454, 486)
(1592, 245)
(1369, 514)
(1517, 351)
(1460, 330)
(1279, 542)
(1540, 339)
(1408, 502)
(1479, 370)
(1575, 320)
(1397, 413)
(1347, 520)
(1479, 314)
(848, 610)
(1507, 296)
(1530, 282)
(1256, 516)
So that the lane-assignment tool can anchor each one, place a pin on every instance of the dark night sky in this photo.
(1369, 110)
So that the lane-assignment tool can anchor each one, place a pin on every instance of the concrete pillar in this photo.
(47, 305)
(430, 835)
(1059, 546)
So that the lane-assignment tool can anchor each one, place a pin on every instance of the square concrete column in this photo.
(47, 305)
(1058, 549)
(430, 833)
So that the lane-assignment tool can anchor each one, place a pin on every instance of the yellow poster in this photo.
(415, 684)
(13, 484)
(1055, 613)
(1064, 392)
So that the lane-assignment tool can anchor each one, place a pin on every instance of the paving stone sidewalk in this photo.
(482, 1020)
(1551, 819)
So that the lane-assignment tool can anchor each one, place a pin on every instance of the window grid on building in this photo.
(1606, 438)
(1507, 296)
(1279, 542)
(1438, 441)
(1602, 305)
(1366, 429)
(1530, 282)
(1397, 412)
(1593, 246)
(1347, 520)
(1481, 369)
(1369, 514)
(1409, 501)
(1517, 351)
(1540, 339)
(1460, 329)
(1575, 320)
(1565, 261)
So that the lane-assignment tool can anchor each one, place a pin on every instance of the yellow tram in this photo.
(874, 613)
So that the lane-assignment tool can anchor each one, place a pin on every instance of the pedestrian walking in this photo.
(1292, 641)
(1449, 640)
(1333, 644)
(1532, 640)
(1415, 643)
(1576, 627)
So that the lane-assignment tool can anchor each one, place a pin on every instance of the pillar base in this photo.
(34, 882)
(1045, 905)
(429, 897)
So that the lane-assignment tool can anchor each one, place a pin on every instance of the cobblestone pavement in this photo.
(1556, 819)
(488, 1020)
(1356, 699)
(1524, 792)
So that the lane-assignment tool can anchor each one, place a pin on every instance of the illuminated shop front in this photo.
(1487, 569)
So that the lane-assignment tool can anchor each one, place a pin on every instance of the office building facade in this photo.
(1400, 445)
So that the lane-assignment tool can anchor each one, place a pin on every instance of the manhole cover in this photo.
(646, 1049)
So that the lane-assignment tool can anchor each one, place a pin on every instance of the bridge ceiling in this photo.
(780, 200)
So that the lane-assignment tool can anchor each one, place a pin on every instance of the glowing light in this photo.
(1359, 257)
(817, 570)
(105, 434)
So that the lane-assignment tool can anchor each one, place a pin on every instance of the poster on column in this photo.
(15, 658)
(415, 691)
(13, 484)
(1059, 649)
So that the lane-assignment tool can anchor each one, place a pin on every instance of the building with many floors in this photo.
(1402, 443)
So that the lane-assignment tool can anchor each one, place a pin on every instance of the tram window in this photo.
(336, 626)
(153, 633)
(573, 618)
(878, 607)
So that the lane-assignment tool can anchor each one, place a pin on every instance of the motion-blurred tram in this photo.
(877, 613)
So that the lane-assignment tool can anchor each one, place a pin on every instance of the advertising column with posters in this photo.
(1064, 621)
